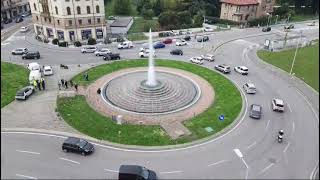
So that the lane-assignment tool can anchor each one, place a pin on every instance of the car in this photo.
(19, 19)
(89, 49)
(31, 55)
(208, 57)
(249, 88)
(47, 71)
(176, 52)
(77, 145)
(208, 29)
(311, 24)
(181, 43)
(24, 93)
(202, 38)
(102, 51)
(291, 26)
(223, 68)
(187, 38)
(128, 172)
(277, 105)
(19, 51)
(111, 56)
(241, 69)
(112, 18)
(167, 41)
(125, 45)
(159, 45)
(196, 60)
(174, 33)
(34, 66)
(24, 29)
(145, 53)
(7, 21)
(266, 29)
(255, 111)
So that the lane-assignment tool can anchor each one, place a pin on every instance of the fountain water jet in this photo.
(151, 72)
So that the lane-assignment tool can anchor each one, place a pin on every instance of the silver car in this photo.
(89, 49)
(19, 51)
(24, 93)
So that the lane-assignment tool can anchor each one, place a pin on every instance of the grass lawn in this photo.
(13, 77)
(78, 114)
(302, 17)
(306, 66)
(136, 37)
(139, 23)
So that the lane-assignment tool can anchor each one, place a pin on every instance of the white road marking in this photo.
(289, 107)
(110, 170)
(266, 168)
(247, 173)
(313, 173)
(30, 152)
(216, 163)
(251, 145)
(24, 176)
(170, 172)
(267, 124)
(304, 97)
(286, 148)
(69, 160)
(293, 127)
(3, 44)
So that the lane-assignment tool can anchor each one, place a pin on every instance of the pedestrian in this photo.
(43, 84)
(66, 84)
(38, 84)
(86, 76)
(62, 82)
(59, 85)
(71, 83)
(35, 84)
(76, 86)
(99, 91)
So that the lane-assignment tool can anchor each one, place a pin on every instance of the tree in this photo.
(184, 17)
(198, 19)
(168, 18)
(143, 4)
(122, 7)
(147, 13)
(158, 7)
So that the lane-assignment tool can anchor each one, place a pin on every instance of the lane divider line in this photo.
(251, 145)
(110, 170)
(266, 168)
(24, 176)
(216, 163)
(286, 148)
(69, 160)
(170, 172)
(30, 152)
(267, 124)
(289, 107)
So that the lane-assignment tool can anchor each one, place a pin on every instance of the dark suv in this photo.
(31, 55)
(111, 56)
(128, 172)
(77, 145)
(176, 52)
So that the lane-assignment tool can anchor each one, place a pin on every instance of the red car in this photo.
(167, 41)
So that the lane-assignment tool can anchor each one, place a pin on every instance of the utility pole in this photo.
(295, 54)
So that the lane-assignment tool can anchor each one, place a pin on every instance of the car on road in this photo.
(88, 49)
(241, 69)
(77, 145)
(7, 21)
(111, 56)
(266, 29)
(34, 66)
(176, 52)
(47, 71)
(249, 88)
(187, 38)
(24, 29)
(196, 60)
(208, 57)
(112, 18)
(291, 26)
(159, 45)
(255, 111)
(31, 55)
(24, 93)
(125, 45)
(181, 43)
(311, 24)
(19, 19)
(145, 53)
(208, 29)
(223, 68)
(102, 51)
(19, 51)
(277, 105)
(167, 41)
(202, 38)
(131, 172)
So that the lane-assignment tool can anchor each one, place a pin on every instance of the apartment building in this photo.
(69, 20)
(13, 8)
(244, 10)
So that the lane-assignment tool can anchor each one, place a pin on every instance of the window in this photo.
(78, 10)
(98, 20)
(70, 22)
(56, 8)
(88, 10)
(68, 11)
(97, 9)
(80, 21)
(35, 6)
(89, 21)
(58, 21)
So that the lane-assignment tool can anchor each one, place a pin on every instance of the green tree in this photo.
(198, 19)
(158, 7)
(122, 7)
(168, 18)
(147, 13)
(184, 17)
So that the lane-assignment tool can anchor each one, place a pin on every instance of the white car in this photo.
(24, 29)
(277, 105)
(208, 57)
(34, 66)
(125, 45)
(19, 51)
(47, 70)
(181, 43)
(311, 24)
(241, 69)
(207, 29)
(89, 49)
(249, 88)
(145, 53)
(196, 60)
(102, 51)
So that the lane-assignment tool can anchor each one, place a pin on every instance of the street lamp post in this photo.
(295, 54)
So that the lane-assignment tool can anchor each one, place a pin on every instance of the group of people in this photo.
(64, 83)
(40, 84)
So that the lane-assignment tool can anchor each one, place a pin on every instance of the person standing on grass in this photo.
(76, 86)
(66, 84)
(62, 82)
(71, 83)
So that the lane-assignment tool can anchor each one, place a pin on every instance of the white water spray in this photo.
(151, 72)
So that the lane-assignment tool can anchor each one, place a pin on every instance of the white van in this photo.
(34, 66)
(34, 75)
(125, 45)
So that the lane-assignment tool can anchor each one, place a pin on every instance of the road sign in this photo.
(221, 117)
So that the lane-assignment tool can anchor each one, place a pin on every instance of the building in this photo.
(121, 25)
(244, 10)
(69, 20)
(13, 8)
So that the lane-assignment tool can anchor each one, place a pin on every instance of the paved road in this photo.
(40, 156)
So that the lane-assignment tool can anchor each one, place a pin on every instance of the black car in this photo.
(111, 56)
(31, 55)
(129, 172)
(176, 52)
(7, 21)
(187, 37)
(77, 145)
(291, 26)
(19, 19)
(203, 38)
(266, 29)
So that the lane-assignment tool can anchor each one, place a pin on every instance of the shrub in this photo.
(77, 43)
(261, 21)
(92, 41)
(55, 41)
(63, 44)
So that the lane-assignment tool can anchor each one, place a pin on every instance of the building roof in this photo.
(240, 2)
(121, 22)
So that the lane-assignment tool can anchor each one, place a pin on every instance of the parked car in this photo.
(241, 69)
(24, 29)
(24, 93)
(145, 53)
(77, 145)
(47, 71)
(223, 68)
(174, 33)
(181, 43)
(291, 26)
(112, 18)
(19, 19)
(159, 45)
(208, 57)
(125, 45)
(196, 60)
(187, 38)
(255, 111)
(266, 29)
(167, 41)
(311, 24)
(34, 75)
(89, 49)
(19, 51)
(31, 55)
(277, 105)
(249, 88)
(7, 21)
(176, 52)
(202, 38)
(111, 56)
(208, 29)
(130, 172)
(102, 51)
(34, 66)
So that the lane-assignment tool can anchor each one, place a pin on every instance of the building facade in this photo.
(12, 8)
(244, 10)
(69, 20)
